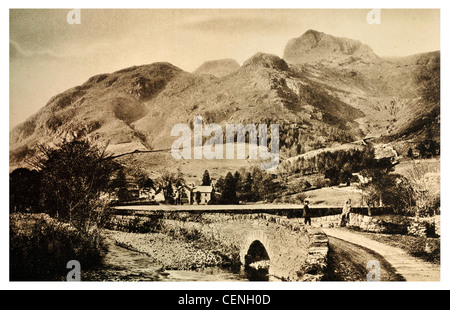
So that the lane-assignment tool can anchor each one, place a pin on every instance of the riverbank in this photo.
(169, 252)
(124, 265)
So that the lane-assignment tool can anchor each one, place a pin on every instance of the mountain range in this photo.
(324, 91)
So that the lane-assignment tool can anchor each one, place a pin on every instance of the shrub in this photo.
(24, 185)
(40, 248)
(73, 174)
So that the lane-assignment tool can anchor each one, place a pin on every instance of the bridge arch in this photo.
(256, 241)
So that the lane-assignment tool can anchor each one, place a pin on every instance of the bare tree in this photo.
(165, 183)
(74, 173)
(423, 188)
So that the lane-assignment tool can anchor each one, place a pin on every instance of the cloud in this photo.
(237, 23)
(16, 51)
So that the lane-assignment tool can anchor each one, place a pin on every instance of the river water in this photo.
(121, 264)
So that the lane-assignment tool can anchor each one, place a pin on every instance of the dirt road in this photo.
(348, 262)
(395, 259)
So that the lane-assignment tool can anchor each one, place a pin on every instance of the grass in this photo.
(334, 196)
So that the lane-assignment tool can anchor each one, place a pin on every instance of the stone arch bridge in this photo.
(292, 251)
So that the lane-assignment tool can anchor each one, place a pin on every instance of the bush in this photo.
(24, 190)
(73, 174)
(40, 248)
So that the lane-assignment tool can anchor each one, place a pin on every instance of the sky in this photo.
(48, 55)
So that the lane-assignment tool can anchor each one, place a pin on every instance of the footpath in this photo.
(411, 268)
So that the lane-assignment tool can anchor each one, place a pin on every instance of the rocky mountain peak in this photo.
(315, 46)
(219, 68)
(267, 61)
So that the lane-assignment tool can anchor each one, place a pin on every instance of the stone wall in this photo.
(425, 227)
(363, 222)
(317, 260)
(328, 221)
(367, 223)
(417, 228)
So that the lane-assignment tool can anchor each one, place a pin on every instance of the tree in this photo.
(424, 193)
(122, 194)
(377, 171)
(428, 148)
(399, 195)
(148, 183)
(24, 190)
(198, 197)
(165, 183)
(410, 153)
(229, 190)
(120, 181)
(345, 174)
(238, 181)
(220, 184)
(263, 185)
(206, 180)
(179, 179)
(246, 188)
(74, 173)
(333, 176)
(391, 190)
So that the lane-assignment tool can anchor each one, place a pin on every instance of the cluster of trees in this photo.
(426, 149)
(65, 183)
(166, 183)
(120, 183)
(299, 138)
(411, 195)
(244, 185)
(337, 166)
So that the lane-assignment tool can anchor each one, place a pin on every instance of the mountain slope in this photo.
(136, 108)
(104, 107)
(326, 92)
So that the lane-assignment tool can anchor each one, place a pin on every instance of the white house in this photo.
(202, 194)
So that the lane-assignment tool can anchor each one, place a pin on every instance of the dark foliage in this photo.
(24, 187)
(73, 174)
(229, 190)
(206, 180)
(40, 248)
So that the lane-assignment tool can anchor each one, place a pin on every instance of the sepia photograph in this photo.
(224, 145)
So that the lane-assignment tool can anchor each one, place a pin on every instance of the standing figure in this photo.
(345, 215)
(306, 213)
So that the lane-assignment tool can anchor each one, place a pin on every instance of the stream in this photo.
(121, 264)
